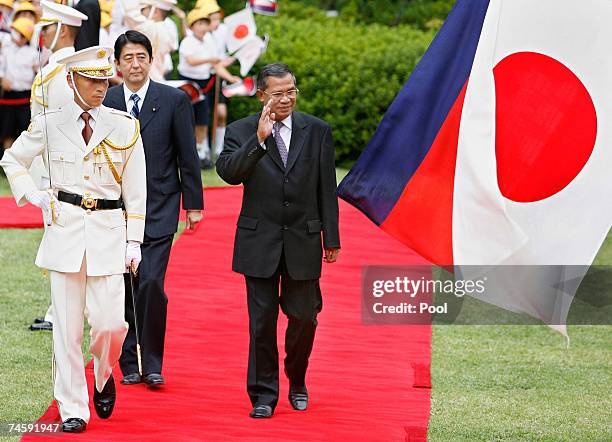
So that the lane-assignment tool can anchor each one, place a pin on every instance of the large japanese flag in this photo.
(497, 150)
(241, 29)
(533, 180)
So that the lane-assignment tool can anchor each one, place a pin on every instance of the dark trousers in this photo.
(301, 302)
(151, 308)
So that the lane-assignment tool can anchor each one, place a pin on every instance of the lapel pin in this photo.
(154, 109)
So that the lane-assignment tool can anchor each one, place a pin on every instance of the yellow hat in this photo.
(209, 4)
(7, 3)
(24, 26)
(25, 6)
(105, 19)
(92, 62)
(200, 13)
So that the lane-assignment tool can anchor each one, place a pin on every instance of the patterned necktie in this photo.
(135, 98)
(87, 130)
(282, 148)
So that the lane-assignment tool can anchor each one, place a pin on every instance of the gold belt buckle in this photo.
(89, 203)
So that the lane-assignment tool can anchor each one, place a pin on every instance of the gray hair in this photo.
(277, 70)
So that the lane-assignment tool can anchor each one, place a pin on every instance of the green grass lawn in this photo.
(489, 382)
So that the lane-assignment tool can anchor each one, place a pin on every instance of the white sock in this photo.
(204, 150)
(219, 136)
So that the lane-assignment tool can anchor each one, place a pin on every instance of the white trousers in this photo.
(101, 300)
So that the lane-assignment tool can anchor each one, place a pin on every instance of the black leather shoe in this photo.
(74, 425)
(104, 401)
(131, 379)
(154, 380)
(298, 397)
(44, 325)
(39, 320)
(261, 412)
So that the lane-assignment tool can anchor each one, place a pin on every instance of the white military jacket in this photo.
(50, 84)
(50, 88)
(84, 170)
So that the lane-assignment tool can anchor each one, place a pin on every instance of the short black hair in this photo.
(277, 70)
(73, 30)
(134, 37)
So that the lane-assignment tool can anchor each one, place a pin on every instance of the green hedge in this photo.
(424, 14)
(348, 74)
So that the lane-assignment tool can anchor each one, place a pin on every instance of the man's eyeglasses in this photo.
(291, 94)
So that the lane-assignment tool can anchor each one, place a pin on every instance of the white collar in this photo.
(142, 92)
(288, 121)
(60, 53)
(94, 111)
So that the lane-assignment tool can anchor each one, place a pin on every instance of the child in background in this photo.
(19, 63)
(197, 57)
(219, 35)
(25, 10)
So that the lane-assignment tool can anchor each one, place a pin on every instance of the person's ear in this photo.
(260, 96)
(69, 80)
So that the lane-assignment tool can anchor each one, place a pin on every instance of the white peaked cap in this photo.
(93, 62)
(56, 13)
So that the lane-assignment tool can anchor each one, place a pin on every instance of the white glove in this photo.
(132, 255)
(42, 199)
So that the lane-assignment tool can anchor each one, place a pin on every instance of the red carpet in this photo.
(360, 377)
(11, 216)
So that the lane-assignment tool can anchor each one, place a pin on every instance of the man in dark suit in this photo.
(167, 130)
(285, 160)
(89, 32)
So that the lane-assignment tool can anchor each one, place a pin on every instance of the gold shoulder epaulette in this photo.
(39, 81)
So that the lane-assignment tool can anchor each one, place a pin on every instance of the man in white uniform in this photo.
(97, 166)
(59, 26)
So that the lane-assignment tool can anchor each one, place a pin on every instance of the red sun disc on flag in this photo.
(546, 126)
(241, 31)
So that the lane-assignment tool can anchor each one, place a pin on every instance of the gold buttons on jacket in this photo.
(86, 177)
(86, 158)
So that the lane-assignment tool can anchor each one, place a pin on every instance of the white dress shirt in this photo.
(193, 46)
(142, 93)
(19, 65)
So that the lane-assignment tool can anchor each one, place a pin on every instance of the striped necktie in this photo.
(135, 98)
(282, 148)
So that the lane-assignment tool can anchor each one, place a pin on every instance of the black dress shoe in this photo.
(298, 397)
(44, 325)
(261, 412)
(132, 378)
(74, 425)
(104, 401)
(154, 380)
(39, 320)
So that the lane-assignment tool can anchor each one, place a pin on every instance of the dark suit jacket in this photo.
(89, 32)
(167, 130)
(283, 208)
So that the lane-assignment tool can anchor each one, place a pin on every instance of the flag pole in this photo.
(213, 138)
